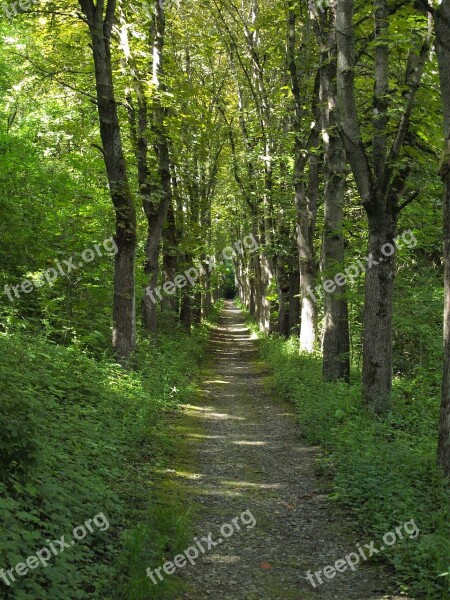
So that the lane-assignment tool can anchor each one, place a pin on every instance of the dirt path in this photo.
(248, 456)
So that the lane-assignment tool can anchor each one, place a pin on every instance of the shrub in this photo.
(384, 471)
(80, 437)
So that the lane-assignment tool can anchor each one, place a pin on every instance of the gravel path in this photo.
(247, 455)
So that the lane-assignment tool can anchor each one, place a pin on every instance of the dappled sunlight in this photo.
(226, 559)
(209, 412)
(178, 473)
(257, 486)
(197, 408)
(219, 492)
(245, 443)
(201, 436)
(216, 415)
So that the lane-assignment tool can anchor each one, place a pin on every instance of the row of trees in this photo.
(175, 194)
(324, 47)
(311, 126)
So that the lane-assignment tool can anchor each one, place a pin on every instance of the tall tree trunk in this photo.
(265, 269)
(197, 308)
(305, 197)
(157, 211)
(156, 194)
(306, 202)
(124, 314)
(442, 18)
(206, 298)
(186, 311)
(252, 289)
(266, 277)
(336, 341)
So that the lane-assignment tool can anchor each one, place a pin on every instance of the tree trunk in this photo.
(377, 336)
(444, 422)
(442, 17)
(306, 201)
(197, 310)
(265, 281)
(252, 290)
(283, 295)
(170, 257)
(186, 311)
(307, 279)
(305, 198)
(294, 303)
(124, 313)
(206, 297)
(336, 341)
(150, 303)
(157, 211)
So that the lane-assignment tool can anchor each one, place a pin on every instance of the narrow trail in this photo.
(247, 455)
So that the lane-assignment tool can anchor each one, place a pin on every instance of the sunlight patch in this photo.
(245, 443)
(225, 559)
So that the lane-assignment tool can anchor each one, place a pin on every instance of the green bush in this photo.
(81, 437)
(384, 471)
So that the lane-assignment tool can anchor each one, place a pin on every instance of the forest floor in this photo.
(239, 449)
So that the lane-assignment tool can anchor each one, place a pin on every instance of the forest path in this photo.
(245, 454)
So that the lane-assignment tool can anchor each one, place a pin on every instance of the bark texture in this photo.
(336, 342)
(306, 193)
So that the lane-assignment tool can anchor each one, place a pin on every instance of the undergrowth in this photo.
(384, 471)
(79, 437)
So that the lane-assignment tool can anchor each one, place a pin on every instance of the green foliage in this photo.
(80, 437)
(384, 471)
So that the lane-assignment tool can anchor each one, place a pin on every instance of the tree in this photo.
(147, 122)
(306, 187)
(442, 20)
(100, 20)
(336, 342)
(381, 181)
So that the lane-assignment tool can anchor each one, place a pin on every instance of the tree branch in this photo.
(408, 200)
